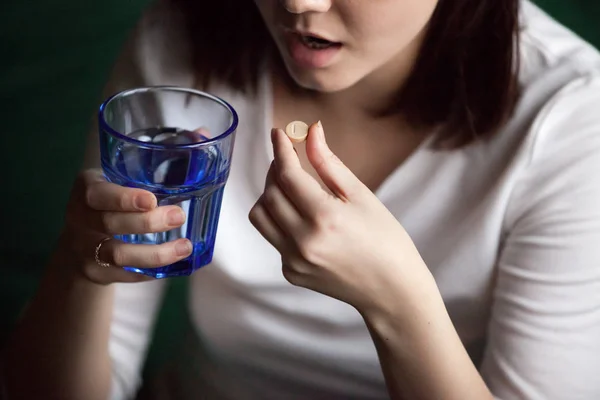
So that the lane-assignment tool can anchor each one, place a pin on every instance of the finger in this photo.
(266, 226)
(270, 175)
(279, 206)
(106, 196)
(334, 174)
(106, 276)
(161, 219)
(301, 188)
(292, 276)
(198, 135)
(203, 132)
(122, 254)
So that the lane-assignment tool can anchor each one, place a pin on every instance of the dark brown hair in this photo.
(464, 82)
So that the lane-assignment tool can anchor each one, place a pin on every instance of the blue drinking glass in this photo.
(176, 143)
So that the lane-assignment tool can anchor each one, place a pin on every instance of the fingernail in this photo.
(144, 202)
(176, 217)
(321, 130)
(183, 247)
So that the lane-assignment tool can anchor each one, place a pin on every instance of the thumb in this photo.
(332, 171)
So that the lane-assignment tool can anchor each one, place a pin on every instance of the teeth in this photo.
(315, 43)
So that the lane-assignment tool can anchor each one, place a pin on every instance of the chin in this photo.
(324, 81)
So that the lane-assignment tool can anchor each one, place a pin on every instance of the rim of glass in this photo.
(106, 127)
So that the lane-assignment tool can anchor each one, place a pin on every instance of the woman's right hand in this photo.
(98, 210)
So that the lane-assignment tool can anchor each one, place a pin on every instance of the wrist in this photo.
(417, 343)
(409, 304)
(401, 288)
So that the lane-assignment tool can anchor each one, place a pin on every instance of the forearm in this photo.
(60, 347)
(420, 352)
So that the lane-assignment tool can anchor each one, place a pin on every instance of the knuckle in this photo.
(285, 177)
(88, 176)
(328, 220)
(270, 195)
(89, 195)
(107, 223)
(329, 158)
(94, 274)
(253, 214)
(91, 174)
(290, 275)
(119, 256)
(332, 158)
(123, 201)
(159, 256)
(148, 223)
(310, 248)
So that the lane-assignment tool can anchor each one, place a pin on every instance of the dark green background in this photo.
(56, 55)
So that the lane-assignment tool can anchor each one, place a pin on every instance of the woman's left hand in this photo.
(341, 242)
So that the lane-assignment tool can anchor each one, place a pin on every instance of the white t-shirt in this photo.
(510, 229)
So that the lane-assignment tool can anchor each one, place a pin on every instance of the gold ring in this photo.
(97, 254)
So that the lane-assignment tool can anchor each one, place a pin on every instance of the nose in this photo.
(304, 6)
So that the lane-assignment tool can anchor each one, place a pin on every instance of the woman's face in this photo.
(361, 37)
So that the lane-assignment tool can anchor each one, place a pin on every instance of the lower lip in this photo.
(307, 57)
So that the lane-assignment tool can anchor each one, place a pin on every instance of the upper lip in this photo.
(308, 33)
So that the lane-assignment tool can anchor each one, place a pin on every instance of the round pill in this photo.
(297, 131)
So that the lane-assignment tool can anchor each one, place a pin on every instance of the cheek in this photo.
(381, 26)
(267, 9)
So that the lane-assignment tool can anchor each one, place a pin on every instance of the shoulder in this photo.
(558, 157)
(550, 148)
(560, 88)
(569, 120)
(548, 47)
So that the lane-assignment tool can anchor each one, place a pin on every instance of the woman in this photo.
(443, 243)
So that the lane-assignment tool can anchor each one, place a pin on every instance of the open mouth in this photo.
(316, 43)
(311, 50)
